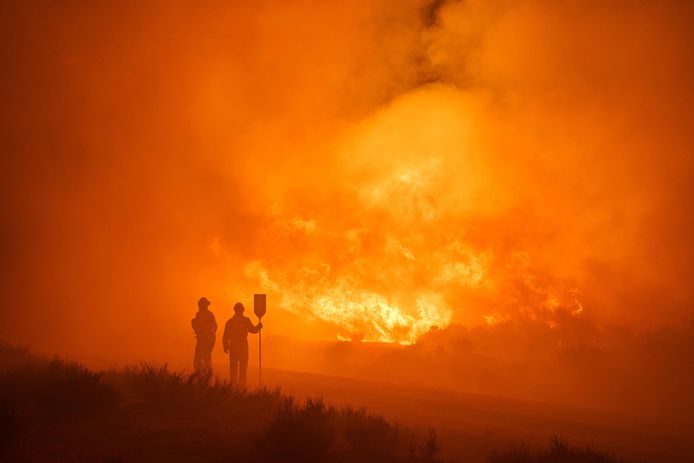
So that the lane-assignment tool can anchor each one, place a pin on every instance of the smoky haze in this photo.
(377, 169)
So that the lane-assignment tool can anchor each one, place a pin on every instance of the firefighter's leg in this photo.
(243, 367)
(208, 356)
(197, 356)
(233, 367)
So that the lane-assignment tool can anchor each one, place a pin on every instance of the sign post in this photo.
(259, 308)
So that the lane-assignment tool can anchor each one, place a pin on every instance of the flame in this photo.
(389, 249)
(493, 318)
(362, 307)
(359, 314)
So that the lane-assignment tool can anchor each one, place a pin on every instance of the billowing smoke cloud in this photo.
(536, 172)
(376, 168)
(420, 231)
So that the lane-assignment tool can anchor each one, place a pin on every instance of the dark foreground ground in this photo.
(472, 426)
(57, 411)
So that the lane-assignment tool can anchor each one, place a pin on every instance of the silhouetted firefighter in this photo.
(235, 342)
(205, 327)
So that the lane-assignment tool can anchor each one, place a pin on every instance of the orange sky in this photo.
(376, 167)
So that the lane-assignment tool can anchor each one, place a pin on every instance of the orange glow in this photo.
(395, 257)
(379, 169)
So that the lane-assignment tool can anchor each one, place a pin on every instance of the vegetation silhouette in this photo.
(559, 451)
(315, 432)
(56, 410)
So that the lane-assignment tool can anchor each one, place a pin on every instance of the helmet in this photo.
(203, 302)
(238, 308)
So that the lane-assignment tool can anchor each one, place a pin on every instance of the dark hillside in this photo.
(53, 410)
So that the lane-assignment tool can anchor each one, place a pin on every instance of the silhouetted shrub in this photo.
(13, 356)
(423, 449)
(57, 389)
(300, 433)
(370, 438)
(155, 387)
(558, 451)
(431, 445)
(312, 432)
(71, 389)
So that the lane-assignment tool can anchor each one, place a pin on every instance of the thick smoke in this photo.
(541, 167)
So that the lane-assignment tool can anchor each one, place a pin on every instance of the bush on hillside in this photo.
(559, 451)
(55, 390)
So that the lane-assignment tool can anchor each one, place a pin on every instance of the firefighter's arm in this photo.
(254, 329)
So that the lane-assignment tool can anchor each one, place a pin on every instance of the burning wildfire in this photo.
(358, 313)
(400, 252)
